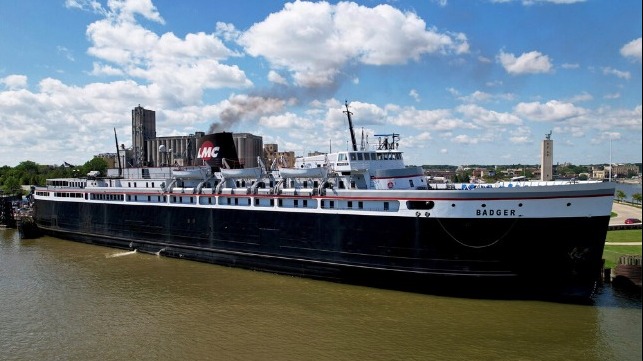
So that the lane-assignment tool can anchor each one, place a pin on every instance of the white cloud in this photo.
(314, 41)
(286, 120)
(632, 50)
(582, 97)
(276, 78)
(436, 120)
(570, 66)
(99, 69)
(465, 139)
(414, 94)
(14, 82)
(487, 118)
(179, 69)
(551, 111)
(528, 63)
(618, 73)
(476, 97)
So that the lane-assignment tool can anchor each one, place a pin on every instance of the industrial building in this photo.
(148, 150)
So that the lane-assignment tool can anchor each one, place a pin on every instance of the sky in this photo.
(462, 82)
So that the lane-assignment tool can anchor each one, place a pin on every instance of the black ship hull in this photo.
(551, 257)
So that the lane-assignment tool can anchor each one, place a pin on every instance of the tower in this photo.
(143, 129)
(547, 158)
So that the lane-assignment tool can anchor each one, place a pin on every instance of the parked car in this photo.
(632, 220)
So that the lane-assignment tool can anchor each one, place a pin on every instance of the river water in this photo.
(61, 300)
(629, 189)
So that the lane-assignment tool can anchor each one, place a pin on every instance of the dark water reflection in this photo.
(62, 300)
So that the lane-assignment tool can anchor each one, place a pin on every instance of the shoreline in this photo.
(628, 181)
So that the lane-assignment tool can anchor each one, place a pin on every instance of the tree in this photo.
(636, 197)
(96, 164)
(620, 195)
(11, 185)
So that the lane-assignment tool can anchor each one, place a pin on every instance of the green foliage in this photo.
(570, 171)
(620, 195)
(31, 173)
(636, 197)
(611, 253)
(96, 164)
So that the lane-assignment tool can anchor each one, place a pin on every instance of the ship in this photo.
(359, 216)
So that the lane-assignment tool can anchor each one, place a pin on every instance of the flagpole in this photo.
(610, 158)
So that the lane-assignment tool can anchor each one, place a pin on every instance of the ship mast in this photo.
(118, 155)
(350, 126)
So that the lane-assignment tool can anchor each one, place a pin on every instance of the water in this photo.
(61, 300)
(629, 189)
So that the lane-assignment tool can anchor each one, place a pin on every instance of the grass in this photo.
(612, 253)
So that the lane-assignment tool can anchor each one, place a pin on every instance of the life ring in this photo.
(390, 184)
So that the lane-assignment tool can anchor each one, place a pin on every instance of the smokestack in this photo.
(214, 148)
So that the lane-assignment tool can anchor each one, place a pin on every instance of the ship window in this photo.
(331, 204)
(134, 184)
(386, 206)
(360, 205)
(341, 157)
(305, 184)
(149, 198)
(229, 201)
(353, 156)
(296, 203)
(272, 202)
(360, 156)
(350, 204)
(411, 183)
(236, 201)
(305, 203)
